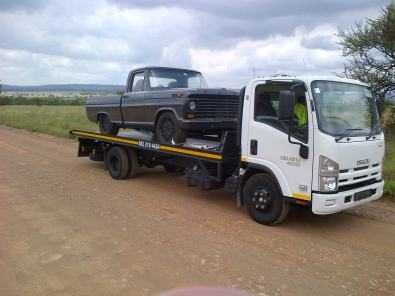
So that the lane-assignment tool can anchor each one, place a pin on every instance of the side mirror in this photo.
(286, 106)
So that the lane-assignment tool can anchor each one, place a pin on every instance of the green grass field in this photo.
(389, 165)
(53, 120)
(59, 120)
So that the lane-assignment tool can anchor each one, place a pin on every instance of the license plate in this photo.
(364, 194)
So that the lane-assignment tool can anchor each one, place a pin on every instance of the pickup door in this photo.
(133, 101)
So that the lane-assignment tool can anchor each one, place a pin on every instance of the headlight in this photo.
(192, 105)
(329, 173)
(328, 184)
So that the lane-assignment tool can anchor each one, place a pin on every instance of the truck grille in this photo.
(216, 106)
(354, 176)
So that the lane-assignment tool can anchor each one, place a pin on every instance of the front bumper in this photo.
(324, 204)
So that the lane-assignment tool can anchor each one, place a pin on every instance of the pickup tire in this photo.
(117, 163)
(106, 126)
(167, 129)
(264, 201)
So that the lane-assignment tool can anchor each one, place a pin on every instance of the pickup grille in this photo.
(216, 106)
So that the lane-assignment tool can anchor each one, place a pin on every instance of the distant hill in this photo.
(65, 87)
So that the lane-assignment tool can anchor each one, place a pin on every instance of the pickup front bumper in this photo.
(324, 204)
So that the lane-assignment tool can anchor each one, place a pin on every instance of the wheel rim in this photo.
(262, 200)
(167, 130)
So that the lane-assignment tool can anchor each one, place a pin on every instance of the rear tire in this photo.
(167, 129)
(264, 201)
(117, 163)
(133, 162)
(106, 126)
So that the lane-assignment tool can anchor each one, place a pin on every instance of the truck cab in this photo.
(318, 139)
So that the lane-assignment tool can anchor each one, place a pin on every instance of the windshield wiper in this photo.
(376, 129)
(345, 135)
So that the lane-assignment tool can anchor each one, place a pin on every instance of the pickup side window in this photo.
(138, 82)
(267, 99)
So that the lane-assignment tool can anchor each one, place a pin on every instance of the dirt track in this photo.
(67, 228)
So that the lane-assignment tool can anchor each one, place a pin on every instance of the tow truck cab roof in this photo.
(306, 79)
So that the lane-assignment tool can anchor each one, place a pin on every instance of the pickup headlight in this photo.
(192, 105)
(328, 174)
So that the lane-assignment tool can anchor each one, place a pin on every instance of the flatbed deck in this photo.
(204, 149)
(205, 163)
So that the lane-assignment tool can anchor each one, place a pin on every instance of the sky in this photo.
(100, 41)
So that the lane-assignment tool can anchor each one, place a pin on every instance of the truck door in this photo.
(133, 100)
(266, 139)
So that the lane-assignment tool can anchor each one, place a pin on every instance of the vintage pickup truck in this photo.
(171, 102)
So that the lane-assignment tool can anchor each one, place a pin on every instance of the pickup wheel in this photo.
(167, 129)
(117, 163)
(264, 201)
(106, 126)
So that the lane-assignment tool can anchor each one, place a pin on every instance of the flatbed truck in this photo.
(329, 161)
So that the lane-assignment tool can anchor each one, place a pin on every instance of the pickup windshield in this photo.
(173, 78)
(345, 109)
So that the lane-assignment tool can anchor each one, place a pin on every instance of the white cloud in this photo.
(278, 54)
(99, 41)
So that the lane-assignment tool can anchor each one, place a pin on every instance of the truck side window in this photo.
(266, 108)
(266, 111)
(138, 82)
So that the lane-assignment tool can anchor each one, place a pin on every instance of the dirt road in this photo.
(67, 228)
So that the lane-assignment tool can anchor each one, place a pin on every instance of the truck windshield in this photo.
(175, 78)
(345, 109)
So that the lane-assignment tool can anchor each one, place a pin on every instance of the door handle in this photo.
(254, 147)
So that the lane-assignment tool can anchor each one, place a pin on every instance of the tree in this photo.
(370, 47)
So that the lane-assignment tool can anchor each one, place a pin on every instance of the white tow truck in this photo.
(330, 159)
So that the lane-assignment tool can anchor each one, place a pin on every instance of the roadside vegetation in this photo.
(53, 120)
(388, 120)
(38, 101)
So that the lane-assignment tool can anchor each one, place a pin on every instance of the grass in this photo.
(40, 101)
(389, 164)
(53, 120)
(59, 120)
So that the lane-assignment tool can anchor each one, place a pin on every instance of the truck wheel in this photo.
(264, 201)
(117, 162)
(106, 126)
(167, 129)
(133, 162)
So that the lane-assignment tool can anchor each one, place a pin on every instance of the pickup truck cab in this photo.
(170, 102)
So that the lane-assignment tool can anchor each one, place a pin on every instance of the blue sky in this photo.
(99, 41)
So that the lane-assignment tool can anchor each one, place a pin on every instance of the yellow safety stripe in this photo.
(96, 136)
(161, 147)
(190, 152)
(301, 196)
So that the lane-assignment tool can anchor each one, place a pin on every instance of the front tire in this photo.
(264, 201)
(167, 129)
(106, 126)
